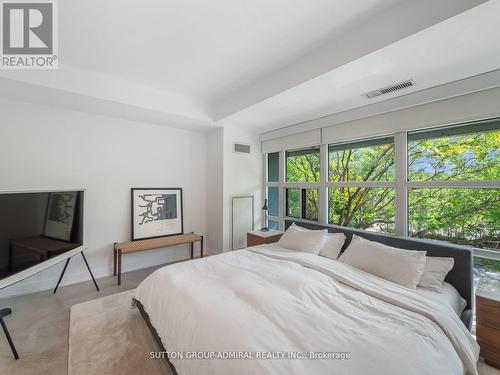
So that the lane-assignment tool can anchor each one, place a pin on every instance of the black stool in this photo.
(4, 313)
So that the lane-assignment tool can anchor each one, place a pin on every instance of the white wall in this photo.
(44, 147)
(242, 176)
(215, 188)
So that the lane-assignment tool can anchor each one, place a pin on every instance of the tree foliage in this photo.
(467, 216)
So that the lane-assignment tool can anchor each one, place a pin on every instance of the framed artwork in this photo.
(60, 215)
(156, 213)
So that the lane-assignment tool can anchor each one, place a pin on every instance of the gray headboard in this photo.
(461, 276)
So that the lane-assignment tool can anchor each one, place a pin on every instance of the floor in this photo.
(40, 323)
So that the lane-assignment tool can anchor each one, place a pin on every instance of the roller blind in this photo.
(305, 139)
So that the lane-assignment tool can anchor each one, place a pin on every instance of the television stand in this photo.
(66, 266)
(4, 313)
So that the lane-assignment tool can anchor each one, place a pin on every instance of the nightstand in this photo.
(488, 321)
(258, 237)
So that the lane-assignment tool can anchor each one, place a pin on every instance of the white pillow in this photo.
(332, 245)
(310, 241)
(435, 271)
(403, 267)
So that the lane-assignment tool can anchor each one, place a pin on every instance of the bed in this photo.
(270, 310)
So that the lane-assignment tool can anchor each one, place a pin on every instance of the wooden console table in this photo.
(150, 244)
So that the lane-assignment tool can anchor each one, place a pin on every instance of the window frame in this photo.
(401, 183)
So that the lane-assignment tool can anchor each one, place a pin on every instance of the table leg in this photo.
(201, 247)
(192, 250)
(9, 339)
(90, 271)
(114, 261)
(62, 274)
(119, 267)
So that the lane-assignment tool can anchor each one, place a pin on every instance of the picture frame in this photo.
(156, 212)
(60, 215)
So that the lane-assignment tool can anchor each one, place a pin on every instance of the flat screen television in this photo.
(37, 230)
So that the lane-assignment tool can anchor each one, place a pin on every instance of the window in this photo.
(273, 190)
(372, 209)
(303, 165)
(362, 161)
(452, 168)
(302, 203)
(273, 201)
(273, 167)
(441, 183)
(273, 224)
(453, 188)
(358, 195)
(486, 268)
(463, 216)
(455, 154)
(293, 203)
(310, 206)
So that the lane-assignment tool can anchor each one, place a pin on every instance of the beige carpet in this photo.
(107, 337)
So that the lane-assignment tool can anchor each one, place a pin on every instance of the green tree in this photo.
(467, 216)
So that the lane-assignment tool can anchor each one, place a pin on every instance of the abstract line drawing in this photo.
(157, 207)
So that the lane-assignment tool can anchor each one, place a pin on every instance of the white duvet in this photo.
(268, 300)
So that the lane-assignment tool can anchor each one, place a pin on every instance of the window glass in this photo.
(372, 209)
(303, 165)
(371, 160)
(463, 216)
(273, 167)
(311, 199)
(273, 224)
(487, 269)
(273, 201)
(293, 206)
(457, 153)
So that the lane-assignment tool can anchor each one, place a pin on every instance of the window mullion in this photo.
(323, 193)
(281, 195)
(401, 175)
(264, 188)
(464, 184)
(369, 184)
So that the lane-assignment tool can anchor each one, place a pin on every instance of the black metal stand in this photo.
(66, 266)
(3, 313)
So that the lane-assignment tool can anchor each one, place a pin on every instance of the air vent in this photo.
(241, 148)
(388, 89)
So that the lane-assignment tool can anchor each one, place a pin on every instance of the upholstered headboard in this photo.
(461, 276)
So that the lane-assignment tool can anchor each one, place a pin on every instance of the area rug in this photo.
(108, 337)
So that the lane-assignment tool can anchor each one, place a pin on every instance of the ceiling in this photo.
(202, 49)
(259, 65)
